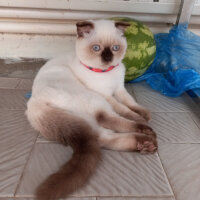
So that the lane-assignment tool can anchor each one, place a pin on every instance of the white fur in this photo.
(65, 83)
(104, 32)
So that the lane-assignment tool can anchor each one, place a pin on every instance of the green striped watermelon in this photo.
(141, 48)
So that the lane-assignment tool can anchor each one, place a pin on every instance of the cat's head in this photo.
(101, 43)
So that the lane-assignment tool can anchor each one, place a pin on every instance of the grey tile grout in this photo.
(194, 120)
(24, 89)
(138, 197)
(2, 77)
(7, 77)
(165, 173)
(185, 111)
(182, 143)
(24, 109)
(47, 142)
(15, 88)
(18, 84)
(133, 94)
(22, 174)
(15, 198)
(95, 197)
(128, 196)
(134, 196)
(12, 89)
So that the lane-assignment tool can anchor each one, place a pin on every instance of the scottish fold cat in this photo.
(79, 99)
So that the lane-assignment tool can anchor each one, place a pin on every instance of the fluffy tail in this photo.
(68, 129)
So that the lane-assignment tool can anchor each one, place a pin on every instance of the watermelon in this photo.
(141, 48)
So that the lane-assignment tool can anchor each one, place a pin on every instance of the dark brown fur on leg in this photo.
(68, 129)
(119, 124)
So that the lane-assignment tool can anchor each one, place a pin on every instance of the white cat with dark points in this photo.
(79, 100)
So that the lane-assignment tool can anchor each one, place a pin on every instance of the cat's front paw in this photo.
(135, 117)
(146, 114)
(146, 143)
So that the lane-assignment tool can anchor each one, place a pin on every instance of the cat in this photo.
(79, 99)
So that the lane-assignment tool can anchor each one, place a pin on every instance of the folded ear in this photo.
(122, 26)
(84, 28)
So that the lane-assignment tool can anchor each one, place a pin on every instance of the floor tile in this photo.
(135, 198)
(9, 82)
(70, 198)
(142, 87)
(81, 198)
(12, 198)
(118, 174)
(16, 141)
(25, 84)
(182, 165)
(20, 68)
(41, 139)
(196, 117)
(12, 99)
(128, 174)
(46, 158)
(157, 102)
(129, 88)
(175, 127)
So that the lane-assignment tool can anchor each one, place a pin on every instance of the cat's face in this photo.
(101, 44)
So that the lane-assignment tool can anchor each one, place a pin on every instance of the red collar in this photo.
(99, 70)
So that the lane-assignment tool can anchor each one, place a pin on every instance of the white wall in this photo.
(40, 28)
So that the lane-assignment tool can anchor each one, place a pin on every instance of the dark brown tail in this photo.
(74, 131)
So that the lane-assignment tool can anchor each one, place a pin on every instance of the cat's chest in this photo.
(105, 83)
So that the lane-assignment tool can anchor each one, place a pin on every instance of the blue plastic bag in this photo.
(176, 67)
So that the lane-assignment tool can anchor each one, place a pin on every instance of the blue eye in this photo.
(96, 48)
(115, 47)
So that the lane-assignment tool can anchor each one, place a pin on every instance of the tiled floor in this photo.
(173, 173)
